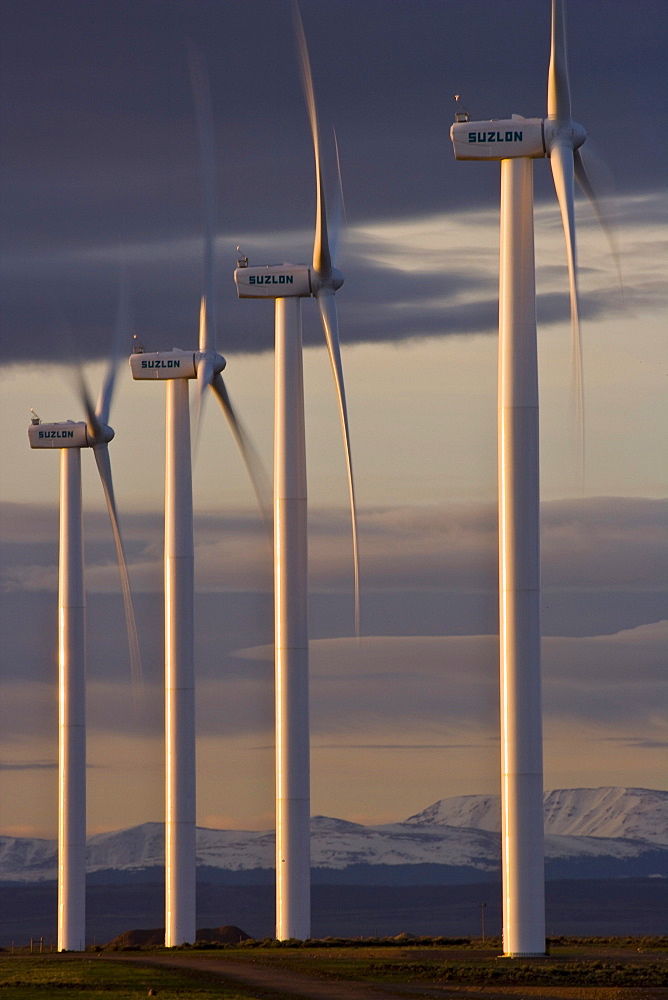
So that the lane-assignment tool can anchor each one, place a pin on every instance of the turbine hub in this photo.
(331, 283)
(217, 361)
(104, 436)
(336, 279)
(568, 133)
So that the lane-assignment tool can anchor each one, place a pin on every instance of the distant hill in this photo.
(590, 832)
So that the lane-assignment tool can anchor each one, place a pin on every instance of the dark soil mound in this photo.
(140, 938)
(222, 935)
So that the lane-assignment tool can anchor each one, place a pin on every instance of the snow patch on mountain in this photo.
(481, 812)
(28, 858)
(631, 813)
(635, 813)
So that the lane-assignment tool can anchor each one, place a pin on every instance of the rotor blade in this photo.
(322, 260)
(204, 379)
(207, 157)
(339, 211)
(107, 392)
(93, 424)
(101, 452)
(561, 159)
(203, 323)
(558, 88)
(204, 374)
(119, 346)
(327, 305)
(251, 459)
(582, 177)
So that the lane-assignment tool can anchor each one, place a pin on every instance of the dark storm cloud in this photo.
(78, 295)
(607, 543)
(429, 599)
(100, 152)
(411, 683)
(426, 572)
(617, 679)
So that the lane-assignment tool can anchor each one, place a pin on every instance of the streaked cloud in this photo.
(417, 705)
(610, 543)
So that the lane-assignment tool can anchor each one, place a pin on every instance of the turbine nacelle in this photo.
(279, 281)
(66, 434)
(499, 139)
(172, 364)
(507, 138)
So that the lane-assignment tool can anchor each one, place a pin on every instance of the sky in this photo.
(100, 176)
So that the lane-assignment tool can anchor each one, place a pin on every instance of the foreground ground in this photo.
(614, 970)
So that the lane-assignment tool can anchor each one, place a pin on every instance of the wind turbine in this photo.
(288, 284)
(175, 368)
(516, 142)
(70, 437)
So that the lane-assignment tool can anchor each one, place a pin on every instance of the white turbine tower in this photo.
(516, 142)
(70, 438)
(287, 284)
(176, 367)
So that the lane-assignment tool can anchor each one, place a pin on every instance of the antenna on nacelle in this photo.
(461, 114)
(35, 418)
(242, 261)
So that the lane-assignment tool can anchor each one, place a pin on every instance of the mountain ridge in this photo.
(460, 832)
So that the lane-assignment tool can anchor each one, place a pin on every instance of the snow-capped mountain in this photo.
(583, 826)
(635, 813)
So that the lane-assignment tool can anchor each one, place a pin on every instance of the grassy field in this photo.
(602, 964)
(24, 977)
(621, 962)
